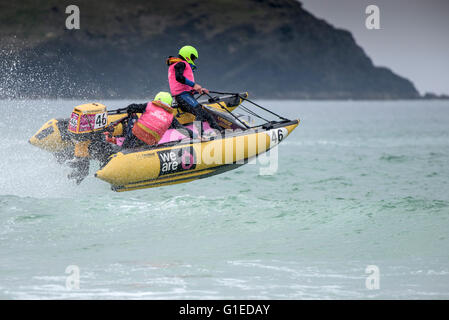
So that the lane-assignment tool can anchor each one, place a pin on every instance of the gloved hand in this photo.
(132, 108)
(80, 169)
(200, 89)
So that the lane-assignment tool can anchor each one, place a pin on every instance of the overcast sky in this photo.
(413, 40)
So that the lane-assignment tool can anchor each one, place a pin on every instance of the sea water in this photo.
(357, 209)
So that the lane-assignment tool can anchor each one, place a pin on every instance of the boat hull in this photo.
(191, 160)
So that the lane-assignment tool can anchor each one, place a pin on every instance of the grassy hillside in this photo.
(273, 48)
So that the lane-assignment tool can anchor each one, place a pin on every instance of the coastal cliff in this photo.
(271, 48)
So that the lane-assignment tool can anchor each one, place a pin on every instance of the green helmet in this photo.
(189, 54)
(164, 97)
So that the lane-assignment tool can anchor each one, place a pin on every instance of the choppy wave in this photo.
(371, 193)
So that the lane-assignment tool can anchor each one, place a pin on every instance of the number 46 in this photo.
(277, 136)
(101, 120)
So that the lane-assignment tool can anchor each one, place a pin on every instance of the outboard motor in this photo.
(87, 119)
(86, 126)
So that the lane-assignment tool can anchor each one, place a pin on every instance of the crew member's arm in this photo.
(136, 108)
(179, 74)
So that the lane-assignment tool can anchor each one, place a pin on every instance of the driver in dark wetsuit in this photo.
(182, 84)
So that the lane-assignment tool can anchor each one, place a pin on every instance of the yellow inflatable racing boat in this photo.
(177, 158)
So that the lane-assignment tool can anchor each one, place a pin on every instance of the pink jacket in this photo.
(156, 120)
(178, 87)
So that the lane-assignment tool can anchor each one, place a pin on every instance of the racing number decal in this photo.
(73, 122)
(277, 136)
(100, 120)
(280, 135)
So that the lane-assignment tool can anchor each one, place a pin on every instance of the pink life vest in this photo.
(178, 87)
(153, 123)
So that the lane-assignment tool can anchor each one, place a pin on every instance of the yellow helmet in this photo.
(164, 97)
(189, 54)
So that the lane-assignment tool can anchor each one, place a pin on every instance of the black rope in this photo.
(246, 99)
(253, 113)
(280, 117)
(230, 93)
(213, 99)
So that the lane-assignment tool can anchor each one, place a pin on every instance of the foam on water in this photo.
(358, 184)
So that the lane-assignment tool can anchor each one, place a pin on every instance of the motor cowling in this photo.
(87, 119)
